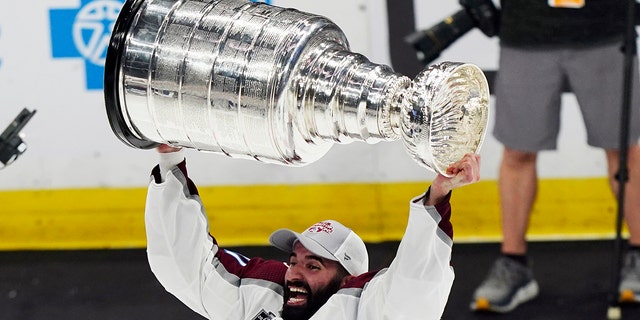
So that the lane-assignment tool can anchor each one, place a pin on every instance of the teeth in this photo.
(295, 300)
(297, 290)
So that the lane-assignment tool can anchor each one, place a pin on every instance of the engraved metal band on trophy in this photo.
(278, 85)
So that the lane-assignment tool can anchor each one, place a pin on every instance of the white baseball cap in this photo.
(328, 239)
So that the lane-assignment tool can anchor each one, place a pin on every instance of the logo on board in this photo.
(84, 32)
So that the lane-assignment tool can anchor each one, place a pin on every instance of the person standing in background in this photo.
(544, 44)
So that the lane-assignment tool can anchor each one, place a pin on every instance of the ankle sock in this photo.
(521, 258)
(632, 247)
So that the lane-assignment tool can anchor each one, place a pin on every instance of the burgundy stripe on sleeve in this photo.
(254, 268)
(155, 173)
(360, 281)
(444, 208)
(192, 186)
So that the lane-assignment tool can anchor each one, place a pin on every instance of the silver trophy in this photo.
(251, 80)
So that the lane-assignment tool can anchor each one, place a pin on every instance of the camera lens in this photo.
(430, 42)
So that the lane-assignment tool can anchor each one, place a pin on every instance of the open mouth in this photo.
(297, 296)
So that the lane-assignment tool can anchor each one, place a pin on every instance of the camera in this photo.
(429, 43)
(11, 144)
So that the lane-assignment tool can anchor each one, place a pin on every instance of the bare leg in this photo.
(632, 189)
(518, 186)
(510, 281)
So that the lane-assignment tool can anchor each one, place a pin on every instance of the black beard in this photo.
(314, 300)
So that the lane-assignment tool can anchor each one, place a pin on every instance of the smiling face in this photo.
(309, 282)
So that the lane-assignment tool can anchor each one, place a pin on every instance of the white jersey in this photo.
(223, 285)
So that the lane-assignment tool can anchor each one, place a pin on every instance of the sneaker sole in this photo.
(628, 296)
(523, 295)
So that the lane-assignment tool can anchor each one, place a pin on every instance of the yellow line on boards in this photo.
(246, 215)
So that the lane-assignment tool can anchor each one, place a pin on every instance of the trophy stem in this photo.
(343, 97)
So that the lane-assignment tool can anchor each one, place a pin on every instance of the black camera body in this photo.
(11, 144)
(481, 14)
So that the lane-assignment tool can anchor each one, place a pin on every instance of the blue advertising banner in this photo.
(84, 33)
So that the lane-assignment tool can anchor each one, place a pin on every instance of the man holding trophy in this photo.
(327, 274)
(281, 86)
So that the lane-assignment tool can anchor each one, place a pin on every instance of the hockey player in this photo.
(327, 274)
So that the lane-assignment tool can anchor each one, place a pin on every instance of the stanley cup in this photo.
(256, 81)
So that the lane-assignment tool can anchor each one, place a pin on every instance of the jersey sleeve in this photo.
(418, 281)
(187, 261)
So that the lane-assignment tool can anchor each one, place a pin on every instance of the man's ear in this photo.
(346, 279)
